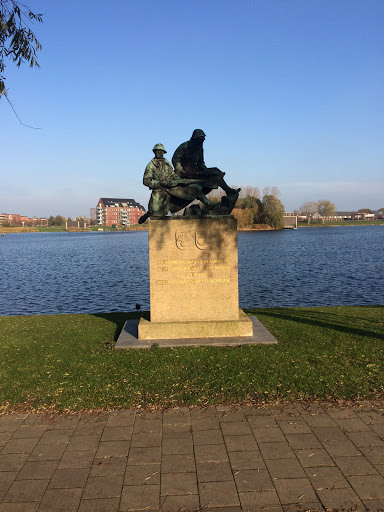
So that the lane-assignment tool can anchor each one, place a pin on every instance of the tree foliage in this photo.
(272, 211)
(17, 41)
(325, 208)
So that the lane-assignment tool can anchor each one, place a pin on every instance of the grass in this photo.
(67, 362)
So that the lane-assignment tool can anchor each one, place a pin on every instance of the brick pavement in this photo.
(234, 459)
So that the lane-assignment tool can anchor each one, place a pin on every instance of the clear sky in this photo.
(289, 93)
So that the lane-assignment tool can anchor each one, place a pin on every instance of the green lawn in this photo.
(67, 362)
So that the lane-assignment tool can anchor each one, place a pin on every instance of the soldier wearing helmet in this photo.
(170, 192)
(188, 161)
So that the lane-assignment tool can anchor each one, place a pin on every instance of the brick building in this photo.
(15, 219)
(117, 212)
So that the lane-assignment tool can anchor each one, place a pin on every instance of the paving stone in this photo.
(121, 419)
(177, 431)
(365, 439)
(103, 487)
(371, 505)
(341, 414)
(304, 507)
(42, 469)
(139, 456)
(214, 471)
(181, 503)
(103, 505)
(257, 422)
(203, 412)
(236, 428)
(320, 420)
(148, 474)
(12, 462)
(311, 409)
(371, 417)
(6, 479)
(139, 497)
(294, 426)
(327, 477)
(56, 437)
(285, 468)
(218, 494)
(330, 434)
(113, 449)
(201, 437)
(178, 484)
(65, 422)
(30, 431)
(107, 466)
(30, 506)
(20, 445)
(205, 423)
(269, 435)
(5, 436)
(250, 500)
(341, 448)
(176, 416)
(211, 453)
(80, 443)
(240, 443)
(378, 428)
(60, 500)
(230, 415)
(253, 480)
(276, 451)
(178, 464)
(69, 478)
(374, 454)
(26, 490)
(81, 459)
(11, 422)
(368, 486)
(285, 412)
(149, 415)
(353, 425)
(345, 498)
(117, 434)
(47, 452)
(303, 441)
(295, 490)
(380, 468)
(314, 458)
(177, 446)
(142, 425)
(146, 439)
(36, 419)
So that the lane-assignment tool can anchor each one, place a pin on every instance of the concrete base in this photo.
(129, 338)
(203, 329)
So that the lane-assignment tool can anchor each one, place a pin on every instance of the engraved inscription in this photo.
(201, 240)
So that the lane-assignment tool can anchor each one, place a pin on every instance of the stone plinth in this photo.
(193, 280)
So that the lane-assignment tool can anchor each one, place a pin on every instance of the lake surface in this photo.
(50, 273)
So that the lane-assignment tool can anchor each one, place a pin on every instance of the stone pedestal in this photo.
(193, 280)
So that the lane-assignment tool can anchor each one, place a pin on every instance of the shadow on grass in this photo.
(119, 319)
(344, 322)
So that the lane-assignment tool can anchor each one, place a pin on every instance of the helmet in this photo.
(197, 133)
(158, 146)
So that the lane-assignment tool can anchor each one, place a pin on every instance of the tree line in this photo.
(254, 208)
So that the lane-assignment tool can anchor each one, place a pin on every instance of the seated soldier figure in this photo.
(170, 192)
(188, 161)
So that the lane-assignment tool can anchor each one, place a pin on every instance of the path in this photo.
(232, 459)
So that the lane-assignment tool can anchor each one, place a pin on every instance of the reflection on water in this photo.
(49, 273)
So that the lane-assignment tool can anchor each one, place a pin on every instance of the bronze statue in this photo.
(172, 191)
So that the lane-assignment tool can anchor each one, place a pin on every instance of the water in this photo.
(50, 273)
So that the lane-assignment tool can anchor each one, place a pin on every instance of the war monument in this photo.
(193, 257)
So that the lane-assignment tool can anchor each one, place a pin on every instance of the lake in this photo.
(51, 273)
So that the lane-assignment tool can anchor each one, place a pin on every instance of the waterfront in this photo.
(52, 273)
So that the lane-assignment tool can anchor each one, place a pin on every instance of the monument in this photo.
(193, 262)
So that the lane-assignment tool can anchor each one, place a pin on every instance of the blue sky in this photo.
(289, 93)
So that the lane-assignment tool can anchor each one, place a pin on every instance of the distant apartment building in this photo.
(15, 219)
(117, 212)
(92, 213)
